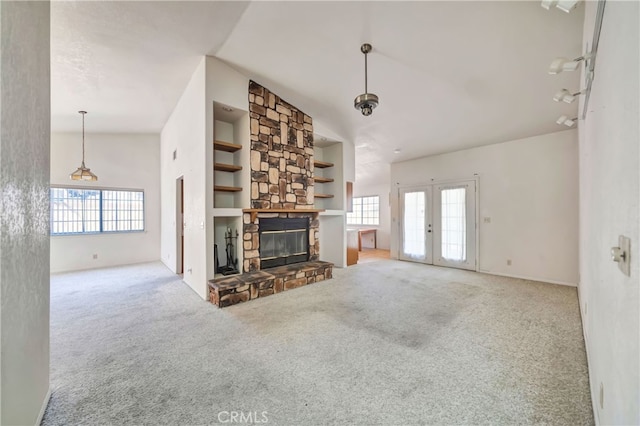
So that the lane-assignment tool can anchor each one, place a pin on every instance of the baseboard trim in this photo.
(115, 265)
(521, 277)
(45, 403)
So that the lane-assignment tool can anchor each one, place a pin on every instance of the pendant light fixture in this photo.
(367, 101)
(83, 173)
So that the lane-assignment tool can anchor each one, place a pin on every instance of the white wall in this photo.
(122, 161)
(185, 133)
(24, 211)
(610, 206)
(529, 190)
(349, 161)
(383, 233)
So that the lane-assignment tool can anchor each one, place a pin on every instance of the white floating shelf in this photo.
(227, 212)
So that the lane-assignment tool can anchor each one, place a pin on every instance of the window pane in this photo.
(366, 211)
(74, 211)
(83, 211)
(414, 219)
(454, 233)
(123, 211)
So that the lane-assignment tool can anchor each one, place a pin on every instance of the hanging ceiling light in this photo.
(367, 101)
(83, 173)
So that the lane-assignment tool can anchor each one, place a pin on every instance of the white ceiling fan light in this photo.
(565, 120)
(566, 96)
(366, 102)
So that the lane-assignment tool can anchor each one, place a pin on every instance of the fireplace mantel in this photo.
(254, 212)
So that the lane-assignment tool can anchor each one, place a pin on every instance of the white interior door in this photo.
(454, 224)
(416, 236)
(438, 224)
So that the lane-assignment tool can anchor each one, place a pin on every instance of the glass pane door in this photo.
(454, 225)
(415, 226)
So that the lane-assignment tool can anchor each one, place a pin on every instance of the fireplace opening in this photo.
(283, 241)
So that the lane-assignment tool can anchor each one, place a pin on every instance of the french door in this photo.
(438, 224)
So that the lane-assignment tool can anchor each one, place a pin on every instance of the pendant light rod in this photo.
(365, 48)
(365, 74)
(83, 113)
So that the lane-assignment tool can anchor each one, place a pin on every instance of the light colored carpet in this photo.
(382, 343)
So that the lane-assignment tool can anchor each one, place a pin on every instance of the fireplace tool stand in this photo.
(232, 259)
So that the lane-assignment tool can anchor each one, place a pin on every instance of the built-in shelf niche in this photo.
(327, 175)
(230, 157)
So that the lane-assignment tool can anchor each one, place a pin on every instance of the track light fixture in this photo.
(566, 96)
(367, 101)
(563, 64)
(569, 122)
(563, 5)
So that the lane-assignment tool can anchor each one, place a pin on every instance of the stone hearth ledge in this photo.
(230, 290)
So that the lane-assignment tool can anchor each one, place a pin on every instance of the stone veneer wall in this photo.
(281, 152)
(281, 169)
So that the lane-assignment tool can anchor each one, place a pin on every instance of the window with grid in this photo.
(366, 211)
(91, 211)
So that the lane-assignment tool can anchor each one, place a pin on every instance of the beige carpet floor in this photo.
(386, 342)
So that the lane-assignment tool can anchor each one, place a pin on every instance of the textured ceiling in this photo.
(450, 75)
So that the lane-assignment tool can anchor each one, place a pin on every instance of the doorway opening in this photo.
(438, 224)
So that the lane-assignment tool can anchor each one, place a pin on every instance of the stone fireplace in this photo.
(280, 243)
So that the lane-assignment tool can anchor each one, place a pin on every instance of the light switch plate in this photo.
(625, 264)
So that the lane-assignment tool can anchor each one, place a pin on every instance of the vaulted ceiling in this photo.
(450, 75)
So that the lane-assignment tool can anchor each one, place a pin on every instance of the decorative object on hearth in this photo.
(216, 260)
(83, 173)
(232, 258)
(366, 102)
